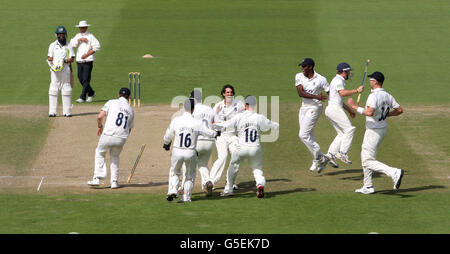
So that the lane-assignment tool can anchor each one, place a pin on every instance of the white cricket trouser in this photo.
(225, 142)
(372, 139)
(114, 145)
(253, 154)
(178, 157)
(343, 127)
(204, 149)
(308, 117)
(60, 81)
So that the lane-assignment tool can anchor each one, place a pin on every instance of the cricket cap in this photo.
(124, 91)
(378, 76)
(307, 62)
(343, 67)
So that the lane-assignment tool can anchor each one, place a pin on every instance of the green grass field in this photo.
(256, 46)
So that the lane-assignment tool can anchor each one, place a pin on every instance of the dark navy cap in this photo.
(307, 62)
(378, 76)
(343, 67)
(124, 91)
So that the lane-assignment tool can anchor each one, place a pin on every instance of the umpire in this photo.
(86, 45)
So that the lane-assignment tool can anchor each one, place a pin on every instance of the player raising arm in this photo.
(378, 108)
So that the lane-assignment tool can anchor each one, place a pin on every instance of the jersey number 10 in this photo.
(250, 135)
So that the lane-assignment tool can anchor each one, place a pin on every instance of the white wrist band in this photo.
(360, 110)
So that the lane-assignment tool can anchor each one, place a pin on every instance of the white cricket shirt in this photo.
(381, 101)
(225, 113)
(337, 84)
(206, 115)
(120, 118)
(249, 125)
(60, 52)
(313, 85)
(185, 130)
(84, 47)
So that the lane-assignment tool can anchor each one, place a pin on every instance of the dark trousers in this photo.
(84, 75)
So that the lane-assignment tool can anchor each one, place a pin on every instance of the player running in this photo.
(310, 85)
(248, 125)
(335, 113)
(378, 108)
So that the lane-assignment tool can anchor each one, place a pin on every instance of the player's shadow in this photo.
(248, 190)
(401, 192)
(358, 177)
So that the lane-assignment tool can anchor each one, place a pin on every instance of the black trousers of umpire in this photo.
(84, 75)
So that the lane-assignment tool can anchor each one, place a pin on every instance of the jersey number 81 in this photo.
(119, 120)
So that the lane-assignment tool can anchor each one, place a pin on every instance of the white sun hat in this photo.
(82, 23)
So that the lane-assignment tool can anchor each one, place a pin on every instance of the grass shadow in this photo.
(248, 190)
(401, 192)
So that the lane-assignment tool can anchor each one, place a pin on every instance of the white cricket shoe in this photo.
(90, 98)
(114, 185)
(314, 165)
(184, 199)
(343, 157)
(235, 187)
(398, 178)
(79, 100)
(322, 163)
(94, 182)
(226, 194)
(365, 190)
(332, 161)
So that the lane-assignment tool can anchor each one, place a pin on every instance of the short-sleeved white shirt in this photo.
(225, 113)
(337, 84)
(206, 115)
(60, 52)
(381, 101)
(313, 85)
(120, 118)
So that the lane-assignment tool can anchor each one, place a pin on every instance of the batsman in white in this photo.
(185, 130)
(119, 122)
(60, 57)
(205, 144)
(248, 125)
(310, 85)
(378, 108)
(335, 113)
(225, 110)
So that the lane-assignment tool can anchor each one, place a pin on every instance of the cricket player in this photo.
(335, 113)
(185, 130)
(224, 111)
(60, 57)
(119, 122)
(248, 125)
(205, 144)
(310, 85)
(378, 108)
